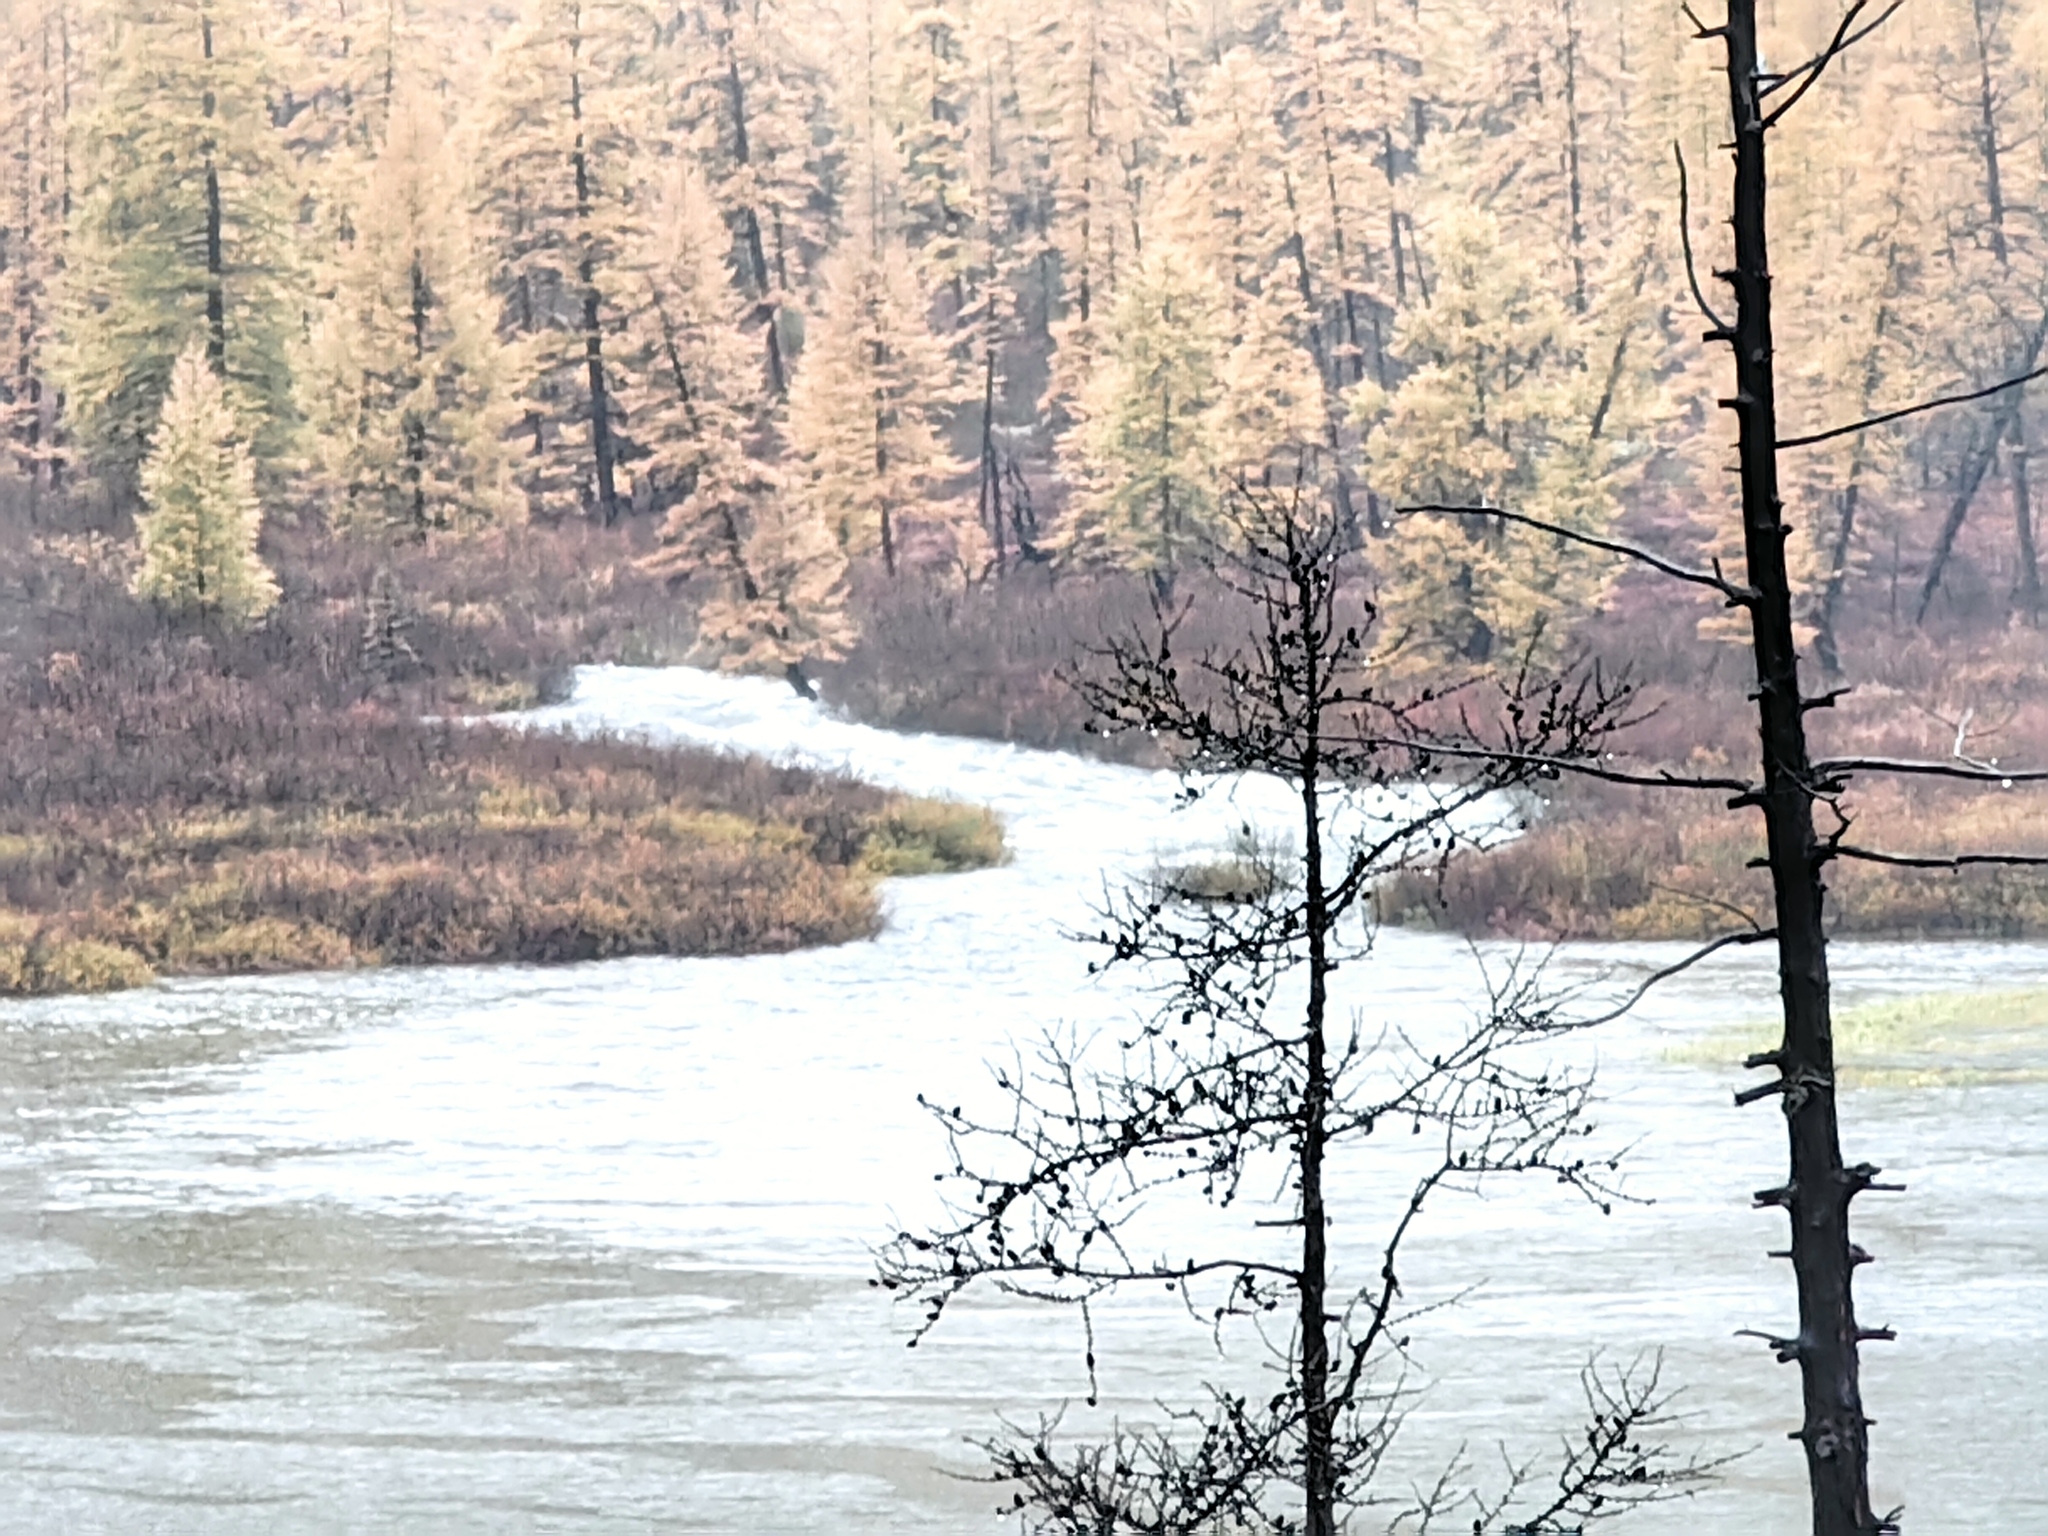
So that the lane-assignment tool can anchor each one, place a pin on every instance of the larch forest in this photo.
(493, 484)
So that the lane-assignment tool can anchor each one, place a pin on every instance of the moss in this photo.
(1940, 1039)
(933, 837)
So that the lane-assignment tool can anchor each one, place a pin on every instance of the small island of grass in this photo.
(369, 838)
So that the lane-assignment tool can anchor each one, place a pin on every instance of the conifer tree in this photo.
(183, 226)
(700, 405)
(1509, 401)
(407, 370)
(861, 431)
(561, 137)
(789, 608)
(874, 386)
(1146, 451)
(202, 518)
(1231, 206)
(38, 73)
(772, 577)
(931, 106)
(749, 97)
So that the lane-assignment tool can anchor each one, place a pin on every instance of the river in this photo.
(584, 1249)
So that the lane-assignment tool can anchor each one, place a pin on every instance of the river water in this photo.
(585, 1249)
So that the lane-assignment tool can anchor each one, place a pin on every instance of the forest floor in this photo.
(177, 799)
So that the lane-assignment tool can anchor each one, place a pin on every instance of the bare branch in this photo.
(1972, 773)
(1692, 276)
(1911, 410)
(1547, 764)
(1937, 861)
(1714, 580)
(1811, 71)
(1758, 936)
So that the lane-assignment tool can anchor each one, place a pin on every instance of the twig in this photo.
(1661, 779)
(1714, 580)
(1759, 936)
(1911, 410)
(1969, 772)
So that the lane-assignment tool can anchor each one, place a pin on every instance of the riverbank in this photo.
(178, 799)
(374, 839)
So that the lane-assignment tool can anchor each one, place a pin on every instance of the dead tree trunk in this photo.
(1817, 1195)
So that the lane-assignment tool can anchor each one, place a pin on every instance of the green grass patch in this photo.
(932, 837)
(1941, 1039)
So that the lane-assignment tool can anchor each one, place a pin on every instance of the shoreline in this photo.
(424, 844)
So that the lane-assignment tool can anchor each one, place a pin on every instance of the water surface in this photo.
(585, 1249)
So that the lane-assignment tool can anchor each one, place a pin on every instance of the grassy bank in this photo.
(377, 840)
(176, 799)
(1943, 1039)
(1662, 866)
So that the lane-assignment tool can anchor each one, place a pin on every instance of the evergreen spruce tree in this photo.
(201, 517)
(407, 369)
(183, 226)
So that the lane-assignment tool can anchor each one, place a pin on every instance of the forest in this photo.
(946, 291)
(1383, 400)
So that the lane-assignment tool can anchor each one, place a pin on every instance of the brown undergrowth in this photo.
(176, 799)
(380, 840)
(1665, 865)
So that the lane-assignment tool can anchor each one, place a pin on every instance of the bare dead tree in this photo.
(1241, 1079)
(1792, 785)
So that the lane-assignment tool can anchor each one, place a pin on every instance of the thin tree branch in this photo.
(1758, 936)
(1969, 772)
(1911, 410)
(1817, 66)
(1692, 276)
(1661, 779)
(1950, 861)
(1713, 580)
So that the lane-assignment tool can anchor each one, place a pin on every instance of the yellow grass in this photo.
(1939, 1039)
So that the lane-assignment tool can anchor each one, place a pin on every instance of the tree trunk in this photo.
(1987, 134)
(2029, 593)
(1574, 173)
(1817, 1195)
(603, 451)
(216, 262)
(991, 499)
(1319, 1473)
(1974, 470)
(415, 429)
